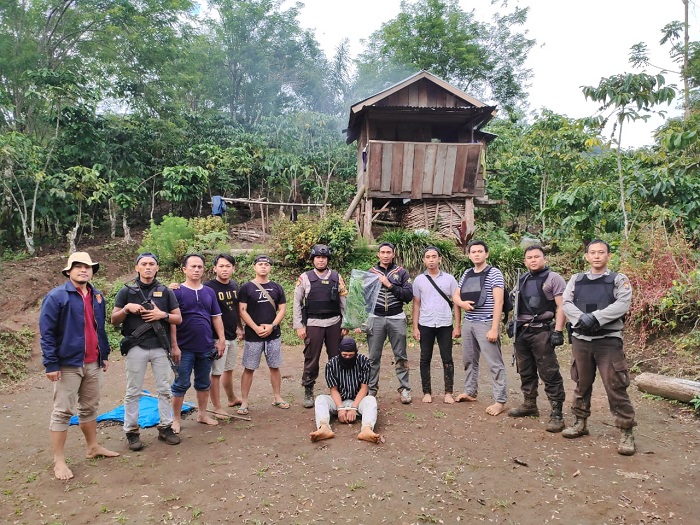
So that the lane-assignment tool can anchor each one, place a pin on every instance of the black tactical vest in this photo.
(473, 287)
(532, 295)
(158, 294)
(323, 300)
(591, 295)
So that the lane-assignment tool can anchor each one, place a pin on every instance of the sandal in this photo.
(281, 404)
(243, 411)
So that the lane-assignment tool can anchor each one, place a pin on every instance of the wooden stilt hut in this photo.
(420, 156)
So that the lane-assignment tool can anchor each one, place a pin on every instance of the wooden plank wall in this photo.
(422, 94)
(423, 169)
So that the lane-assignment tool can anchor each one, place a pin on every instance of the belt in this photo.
(545, 327)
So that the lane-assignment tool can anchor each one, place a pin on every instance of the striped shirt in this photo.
(485, 312)
(348, 382)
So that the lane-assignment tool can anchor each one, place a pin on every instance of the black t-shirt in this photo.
(227, 295)
(161, 295)
(260, 309)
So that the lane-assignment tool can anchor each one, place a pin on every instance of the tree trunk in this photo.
(621, 180)
(112, 218)
(668, 387)
(73, 233)
(127, 230)
(686, 87)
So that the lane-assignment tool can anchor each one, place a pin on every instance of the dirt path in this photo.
(440, 464)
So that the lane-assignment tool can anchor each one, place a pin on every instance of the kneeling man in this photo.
(347, 376)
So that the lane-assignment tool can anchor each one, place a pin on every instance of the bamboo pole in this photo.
(354, 203)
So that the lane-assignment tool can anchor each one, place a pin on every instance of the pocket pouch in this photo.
(621, 376)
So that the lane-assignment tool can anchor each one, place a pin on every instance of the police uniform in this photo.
(534, 351)
(607, 297)
(322, 294)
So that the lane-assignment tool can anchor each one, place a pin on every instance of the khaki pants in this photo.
(607, 356)
(78, 387)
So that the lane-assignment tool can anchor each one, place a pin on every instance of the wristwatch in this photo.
(167, 317)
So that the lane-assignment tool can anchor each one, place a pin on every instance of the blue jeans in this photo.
(200, 363)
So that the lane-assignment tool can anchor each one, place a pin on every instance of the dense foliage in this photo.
(134, 113)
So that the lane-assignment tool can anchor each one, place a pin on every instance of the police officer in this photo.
(540, 323)
(319, 302)
(145, 310)
(595, 303)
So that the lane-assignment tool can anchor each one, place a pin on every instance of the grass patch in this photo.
(15, 352)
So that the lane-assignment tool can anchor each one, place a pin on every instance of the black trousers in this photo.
(316, 336)
(428, 335)
(534, 354)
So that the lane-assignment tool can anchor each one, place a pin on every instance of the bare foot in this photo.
(367, 434)
(237, 401)
(324, 432)
(464, 397)
(176, 427)
(100, 452)
(495, 409)
(206, 420)
(427, 398)
(220, 413)
(449, 399)
(61, 471)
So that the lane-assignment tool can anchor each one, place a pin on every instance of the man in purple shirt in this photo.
(192, 341)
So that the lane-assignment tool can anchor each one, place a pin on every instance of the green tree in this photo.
(22, 168)
(262, 62)
(628, 97)
(438, 36)
(83, 186)
(535, 161)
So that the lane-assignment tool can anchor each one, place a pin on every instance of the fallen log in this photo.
(668, 387)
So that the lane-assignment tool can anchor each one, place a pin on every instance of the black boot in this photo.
(556, 419)
(528, 408)
(309, 396)
(166, 434)
(134, 441)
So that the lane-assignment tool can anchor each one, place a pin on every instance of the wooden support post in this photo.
(469, 214)
(367, 228)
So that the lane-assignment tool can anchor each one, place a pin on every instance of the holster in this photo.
(127, 343)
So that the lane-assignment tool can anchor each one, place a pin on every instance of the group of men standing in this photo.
(193, 327)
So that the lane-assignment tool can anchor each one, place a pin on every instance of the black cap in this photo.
(146, 254)
(348, 344)
(393, 248)
(262, 258)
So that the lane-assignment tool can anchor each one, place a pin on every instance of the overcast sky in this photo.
(578, 43)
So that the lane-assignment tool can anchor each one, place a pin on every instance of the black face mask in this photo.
(347, 362)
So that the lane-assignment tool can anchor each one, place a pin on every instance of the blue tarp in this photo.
(148, 412)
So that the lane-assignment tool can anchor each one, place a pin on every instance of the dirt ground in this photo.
(440, 463)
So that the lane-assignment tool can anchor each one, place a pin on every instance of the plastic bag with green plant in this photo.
(363, 290)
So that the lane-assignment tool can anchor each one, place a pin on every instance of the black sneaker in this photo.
(166, 434)
(134, 441)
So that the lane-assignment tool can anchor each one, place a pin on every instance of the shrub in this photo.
(292, 241)
(410, 245)
(176, 236)
(662, 270)
(168, 240)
